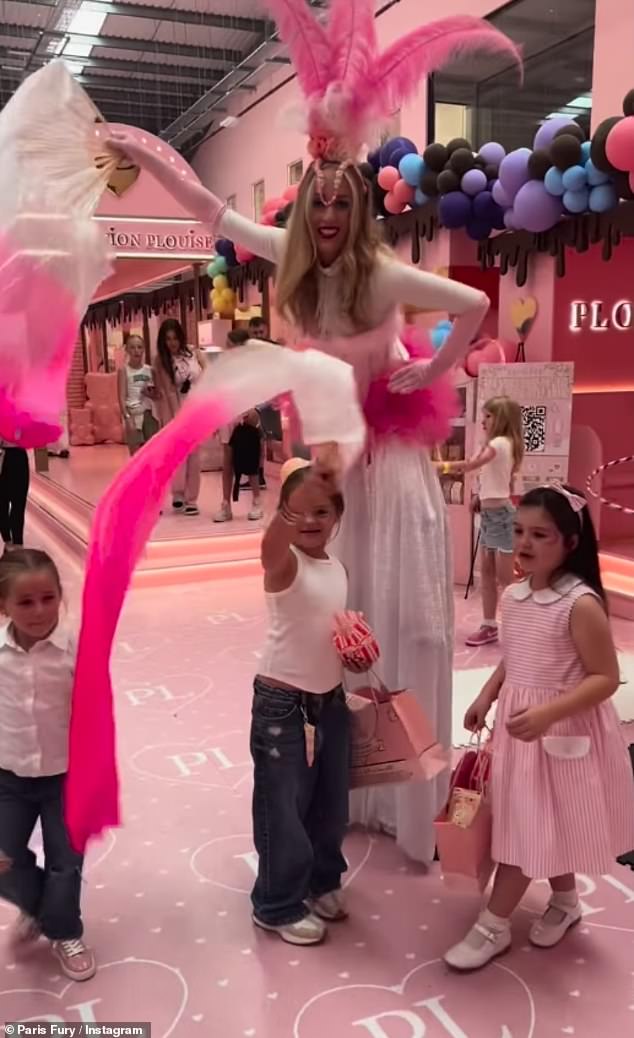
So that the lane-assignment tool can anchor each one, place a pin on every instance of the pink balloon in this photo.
(243, 255)
(268, 217)
(619, 144)
(388, 178)
(291, 192)
(392, 204)
(403, 192)
(487, 351)
(273, 205)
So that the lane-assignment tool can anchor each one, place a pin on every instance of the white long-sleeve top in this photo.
(35, 699)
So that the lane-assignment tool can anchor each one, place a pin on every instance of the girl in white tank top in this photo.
(300, 724)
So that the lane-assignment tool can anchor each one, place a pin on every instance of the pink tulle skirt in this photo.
(423, 417)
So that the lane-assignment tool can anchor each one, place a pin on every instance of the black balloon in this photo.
(597, 146)
(572, 130)
(628, 103)
(435, 156)
(429, 183)
(565, 151)
(366, 169)
(458, 144)
(378, 199)
(491, 171)
(461, 160)
(448, 181)
(539, 163)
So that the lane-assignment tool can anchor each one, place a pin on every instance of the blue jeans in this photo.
(300, 813)
(50, 895)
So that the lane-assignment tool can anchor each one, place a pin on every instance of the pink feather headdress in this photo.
(349, 86)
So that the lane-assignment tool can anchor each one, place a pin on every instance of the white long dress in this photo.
(394, 538)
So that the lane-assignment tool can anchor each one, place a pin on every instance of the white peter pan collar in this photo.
(547, 595)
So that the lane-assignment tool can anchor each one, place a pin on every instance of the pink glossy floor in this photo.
(166, 900)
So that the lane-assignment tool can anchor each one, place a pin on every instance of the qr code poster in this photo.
(544, 393)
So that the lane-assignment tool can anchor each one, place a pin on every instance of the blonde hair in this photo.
(297, 283)
(507, 421)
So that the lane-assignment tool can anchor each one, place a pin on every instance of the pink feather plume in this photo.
(353, 42)
(399, 70)
(307, 41)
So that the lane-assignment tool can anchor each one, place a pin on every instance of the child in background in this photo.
(499, 461)
(136, 392)
(300, 726)
(37, 661)
(562, 795)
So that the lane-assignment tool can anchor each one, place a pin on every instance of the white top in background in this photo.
(35, 698)
(299, 649)
(495, 476)
(138, 380)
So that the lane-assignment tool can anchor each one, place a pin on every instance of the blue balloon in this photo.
(440, 333)
(603, 197)
(577, 201)
(574, 178)
(411, 168)
(402, 144)
(553, 182)
(445, 325)
(585, 150)
(595, 176)
(420, 197)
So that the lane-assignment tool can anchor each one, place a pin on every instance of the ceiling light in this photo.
(229, 122)
(87, 21)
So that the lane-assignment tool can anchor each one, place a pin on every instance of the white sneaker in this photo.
(331, 906)
(554, 924)
(480, 946)
(308, 930)
(224, 515)
(255, 513)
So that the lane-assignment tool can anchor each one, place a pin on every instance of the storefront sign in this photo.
(597, 316)
(173, 239)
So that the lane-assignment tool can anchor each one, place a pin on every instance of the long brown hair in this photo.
(507, 421)
(297, 283)
(24, 560)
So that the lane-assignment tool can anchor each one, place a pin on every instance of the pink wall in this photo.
(541, 285)
(260, 148)
(613, 57)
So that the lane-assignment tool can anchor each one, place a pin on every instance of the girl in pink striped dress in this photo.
(562, 792)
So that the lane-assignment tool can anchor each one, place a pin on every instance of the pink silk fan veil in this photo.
(53, 171)
(325, 395)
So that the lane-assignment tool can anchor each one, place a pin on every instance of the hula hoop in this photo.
(614, 505)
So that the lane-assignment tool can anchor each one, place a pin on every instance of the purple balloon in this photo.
(500, 195)
(509, 221)
(483, 206)
(514, 171)
(492, 153)
(534, 209)
(548, 129)
(374, 158)
(406, 146)
(497, 217)
(478, 229)
(473, 181)
(454, 209)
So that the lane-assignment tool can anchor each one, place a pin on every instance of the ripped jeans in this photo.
(50, 895)
(300, 813)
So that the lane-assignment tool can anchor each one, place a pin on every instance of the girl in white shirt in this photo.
(300, 725)
(136, 392)
(37, 662)
(499, 461)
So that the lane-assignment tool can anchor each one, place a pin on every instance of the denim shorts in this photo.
(496, 529)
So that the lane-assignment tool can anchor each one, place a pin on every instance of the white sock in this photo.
(490, 623)
(494, 922)
(565, 898)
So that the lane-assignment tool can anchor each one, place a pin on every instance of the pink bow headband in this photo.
(576, 502)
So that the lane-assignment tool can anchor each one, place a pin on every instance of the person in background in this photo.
(177, 367)
(15, 477)
(259, 329)
(37, 663)
(60, 449)
(499, 462)
(246, 453)
(135, 382)
(237, 337)
(561, 789)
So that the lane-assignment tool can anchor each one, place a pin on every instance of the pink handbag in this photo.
(463, 828)
(392, 739)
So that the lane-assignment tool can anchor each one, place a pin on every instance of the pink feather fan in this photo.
(348, 84)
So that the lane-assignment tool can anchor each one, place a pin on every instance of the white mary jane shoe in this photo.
(480, 946)
(554, 924)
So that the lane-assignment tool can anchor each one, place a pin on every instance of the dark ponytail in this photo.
(577, 530)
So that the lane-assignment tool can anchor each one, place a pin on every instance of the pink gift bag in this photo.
(463, 828)
(392, 739)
